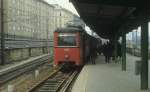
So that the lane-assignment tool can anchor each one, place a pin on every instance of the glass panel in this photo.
(66, 39)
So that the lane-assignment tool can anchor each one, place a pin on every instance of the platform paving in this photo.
(104, 77)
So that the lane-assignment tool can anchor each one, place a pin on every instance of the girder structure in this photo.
(109, 17)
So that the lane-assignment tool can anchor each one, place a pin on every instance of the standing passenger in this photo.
(107, 51)
(119, 51)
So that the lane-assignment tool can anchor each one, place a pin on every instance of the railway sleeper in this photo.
(49, 83)
(50, 90)
(49, 86)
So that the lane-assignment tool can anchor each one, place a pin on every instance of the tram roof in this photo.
(70, 29)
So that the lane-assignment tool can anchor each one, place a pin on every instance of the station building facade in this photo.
(28, 18)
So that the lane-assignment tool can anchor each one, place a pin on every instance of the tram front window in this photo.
(66, 39)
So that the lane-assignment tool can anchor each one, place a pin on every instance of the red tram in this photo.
(71, 46)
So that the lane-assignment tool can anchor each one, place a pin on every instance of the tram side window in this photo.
(66, 40)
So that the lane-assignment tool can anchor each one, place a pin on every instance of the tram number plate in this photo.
(66, 49)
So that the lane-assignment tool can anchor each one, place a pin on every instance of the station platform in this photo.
(104, 77)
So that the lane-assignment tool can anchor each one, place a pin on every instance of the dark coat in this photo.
(108, 49)
(119, 51)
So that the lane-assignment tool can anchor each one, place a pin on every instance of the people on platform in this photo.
(108, 51)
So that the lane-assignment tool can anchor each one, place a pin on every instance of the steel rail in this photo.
(55, 82)
(39, 84)
(68, 83)
(16, 72)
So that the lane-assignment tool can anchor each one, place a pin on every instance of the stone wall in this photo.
(15, 55)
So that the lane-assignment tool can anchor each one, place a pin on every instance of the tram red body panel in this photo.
(71, 45)
(72, 55)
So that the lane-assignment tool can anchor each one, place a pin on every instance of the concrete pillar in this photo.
(30, 52)
(2, 54)
(144, 53)
(43, 50)
(36, 73)
(10, 88)
(123, 52)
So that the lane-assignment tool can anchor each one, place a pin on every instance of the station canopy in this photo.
(110, 17)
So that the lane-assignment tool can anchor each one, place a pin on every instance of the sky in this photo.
(64, 3)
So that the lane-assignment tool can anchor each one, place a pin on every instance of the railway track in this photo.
(15, 72)
(56, 82)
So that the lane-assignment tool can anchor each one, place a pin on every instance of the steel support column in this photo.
(115, 48)
(123, 52)
(144, 53)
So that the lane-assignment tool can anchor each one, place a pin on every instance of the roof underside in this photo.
(107, 17)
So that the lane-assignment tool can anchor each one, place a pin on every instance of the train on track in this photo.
(73, 46)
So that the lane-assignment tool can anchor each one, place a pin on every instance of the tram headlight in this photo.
(66, 56)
